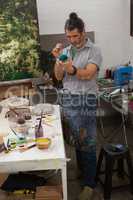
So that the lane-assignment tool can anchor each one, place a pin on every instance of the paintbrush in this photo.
(38, 128)
(40, 122)
(25, 148)
(14, 132)
(13, 110)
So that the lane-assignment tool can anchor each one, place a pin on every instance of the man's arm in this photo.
(59, 71)
(86, 73)
(89, 70)
(58, 68)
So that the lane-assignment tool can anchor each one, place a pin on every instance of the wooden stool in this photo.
(112, 153)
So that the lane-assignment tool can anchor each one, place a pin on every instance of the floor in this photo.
(111, 131)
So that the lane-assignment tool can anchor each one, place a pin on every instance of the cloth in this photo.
(80, 113)
(90, 53)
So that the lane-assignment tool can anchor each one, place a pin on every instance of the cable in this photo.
(101, 121)
(124, 113)
(102, 126)
(114, 133)
(124, 128)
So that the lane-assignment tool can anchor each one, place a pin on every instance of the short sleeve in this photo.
(95, 56)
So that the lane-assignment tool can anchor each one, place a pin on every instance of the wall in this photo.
(110, 19)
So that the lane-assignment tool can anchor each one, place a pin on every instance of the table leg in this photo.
(64, 181)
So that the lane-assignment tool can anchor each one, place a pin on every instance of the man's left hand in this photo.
(68, 66)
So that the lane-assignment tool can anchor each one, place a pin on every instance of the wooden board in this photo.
(48, 193)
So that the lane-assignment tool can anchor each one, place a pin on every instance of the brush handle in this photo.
(40, 122)
(14, 111)
(39, 128)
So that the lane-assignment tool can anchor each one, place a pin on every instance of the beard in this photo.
(79, 44)
(76, 45)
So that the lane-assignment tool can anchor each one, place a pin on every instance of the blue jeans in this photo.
(80, 113)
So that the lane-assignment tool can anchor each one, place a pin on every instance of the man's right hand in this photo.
(59, 70)
(57, 50)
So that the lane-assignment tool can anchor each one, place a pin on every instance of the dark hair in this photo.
(74, 22)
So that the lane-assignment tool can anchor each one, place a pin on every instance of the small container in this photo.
(21, 120)
(43, 143)
(21, 126)
(27, 116)
(38, 131)
(12, 143)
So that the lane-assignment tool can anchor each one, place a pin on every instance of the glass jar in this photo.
(38, 131)
(21, 126)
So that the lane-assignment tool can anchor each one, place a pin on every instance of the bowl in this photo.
(42, 108)
(43, 143)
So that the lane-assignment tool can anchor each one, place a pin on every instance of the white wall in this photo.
(110, 19)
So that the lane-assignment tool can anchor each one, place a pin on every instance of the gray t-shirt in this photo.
(90, 53)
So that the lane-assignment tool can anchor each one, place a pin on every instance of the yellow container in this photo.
(43, 143)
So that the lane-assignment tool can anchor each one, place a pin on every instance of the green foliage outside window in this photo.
(19, 46)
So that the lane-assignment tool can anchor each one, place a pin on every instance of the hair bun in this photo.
(73, 15)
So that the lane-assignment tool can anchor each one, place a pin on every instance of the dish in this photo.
(21, 112)
(43, 108)
(14, 102)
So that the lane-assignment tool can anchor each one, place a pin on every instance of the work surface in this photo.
(35, 159)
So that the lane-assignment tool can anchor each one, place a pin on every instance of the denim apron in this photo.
(79, 111)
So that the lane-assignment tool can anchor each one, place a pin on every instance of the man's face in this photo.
(75, 37)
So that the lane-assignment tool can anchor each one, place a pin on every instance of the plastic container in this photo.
(43, 143)
(38, 131)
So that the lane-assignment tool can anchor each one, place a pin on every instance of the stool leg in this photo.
(120, 168)
(130, 169)
(108, 177)
(99, 163)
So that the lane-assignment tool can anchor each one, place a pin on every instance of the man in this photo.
(78, 101)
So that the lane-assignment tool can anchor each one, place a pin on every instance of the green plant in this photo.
(19, 46)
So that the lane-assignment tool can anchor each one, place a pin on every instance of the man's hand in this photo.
(57, 50)
(59, 70)
(67, 66)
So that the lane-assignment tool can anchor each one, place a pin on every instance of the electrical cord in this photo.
(124, 113)
(102, 132)
(124, 128)
(113, 134)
